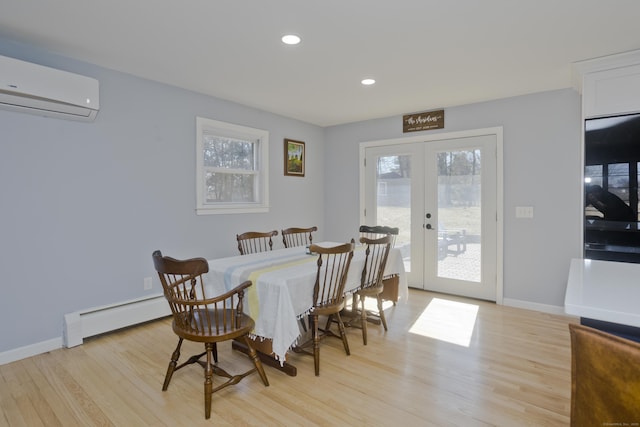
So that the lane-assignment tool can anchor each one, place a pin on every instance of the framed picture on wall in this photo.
(294, 158)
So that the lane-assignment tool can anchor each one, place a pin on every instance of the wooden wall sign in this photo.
(423, 121)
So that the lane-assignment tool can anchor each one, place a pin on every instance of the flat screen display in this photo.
(612, 158)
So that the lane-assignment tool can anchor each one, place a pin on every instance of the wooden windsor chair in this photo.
(390, 291)
(377, 231)
(209, 320)
(371, 284)
(255, 241)
(292, 237)
(328, 297)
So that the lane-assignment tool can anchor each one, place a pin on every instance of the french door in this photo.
(443, 196)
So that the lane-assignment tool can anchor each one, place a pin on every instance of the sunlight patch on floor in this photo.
(448, 321)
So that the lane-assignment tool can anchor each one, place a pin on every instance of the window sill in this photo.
(231, 210)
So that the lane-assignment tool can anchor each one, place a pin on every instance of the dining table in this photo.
(282, 292)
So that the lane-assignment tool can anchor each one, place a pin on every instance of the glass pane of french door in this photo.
(459, 215)
(393, 199)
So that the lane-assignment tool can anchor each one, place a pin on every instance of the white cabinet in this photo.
(610, 85)
(612, 92)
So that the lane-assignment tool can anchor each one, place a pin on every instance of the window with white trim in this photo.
(231, 168)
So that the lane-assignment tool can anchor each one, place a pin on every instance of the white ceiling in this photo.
(424, 54)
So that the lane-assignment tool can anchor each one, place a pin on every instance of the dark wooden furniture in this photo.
(451, 242)
(294, 236)
(377, 231)
(291, 275)
(264, 348)
(377, 252)
(255, 241)
(605, 378)
(391, 282)
(328, 296)
(200, 318)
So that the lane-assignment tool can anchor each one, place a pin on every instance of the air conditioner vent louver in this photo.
(35, 89)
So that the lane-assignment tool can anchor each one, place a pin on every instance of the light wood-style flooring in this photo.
(513, 370)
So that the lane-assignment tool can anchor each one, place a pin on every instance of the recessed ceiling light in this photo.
(368, 82)
(290, 39)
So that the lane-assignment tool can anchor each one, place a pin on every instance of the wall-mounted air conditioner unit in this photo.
(35, 89)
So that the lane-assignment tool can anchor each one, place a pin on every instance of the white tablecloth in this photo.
(282, 288)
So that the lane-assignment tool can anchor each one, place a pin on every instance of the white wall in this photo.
(542, 168)
(85, 204)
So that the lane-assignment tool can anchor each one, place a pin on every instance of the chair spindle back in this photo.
(333, 266)
(255, 241)
(377, 231)
(292, 237)
(377, 252)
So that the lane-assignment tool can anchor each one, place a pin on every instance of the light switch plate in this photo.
(524, 211)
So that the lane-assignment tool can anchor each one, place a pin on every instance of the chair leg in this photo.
(172, 365)
(328, 325)
(208, 382)
(304, 325)
(343, 334)
(253, 355)
(316, 342)
(381, 312)
(215, 352)
(363, 321)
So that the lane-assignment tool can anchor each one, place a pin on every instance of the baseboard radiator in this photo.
(98, 320)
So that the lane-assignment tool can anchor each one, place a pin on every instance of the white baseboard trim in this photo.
(98, 320)
(30, 350)
(527, 305)
(93, 321)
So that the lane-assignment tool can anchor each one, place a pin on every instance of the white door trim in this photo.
(498, 132)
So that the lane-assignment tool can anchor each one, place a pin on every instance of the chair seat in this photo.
(327, 309)
(371, 291)
(211, 334)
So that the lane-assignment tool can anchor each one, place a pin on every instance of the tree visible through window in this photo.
(231, 168)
